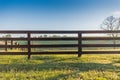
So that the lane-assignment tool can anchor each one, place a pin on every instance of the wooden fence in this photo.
(79, 38)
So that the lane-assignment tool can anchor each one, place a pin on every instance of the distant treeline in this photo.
(41, 36)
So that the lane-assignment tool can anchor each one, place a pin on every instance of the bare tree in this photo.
(111, 23)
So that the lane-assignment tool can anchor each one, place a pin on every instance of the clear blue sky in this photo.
(55, 14)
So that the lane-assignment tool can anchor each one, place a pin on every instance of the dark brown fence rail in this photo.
(79, 38)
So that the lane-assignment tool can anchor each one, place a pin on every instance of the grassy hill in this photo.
(60, 67)
(70, 42)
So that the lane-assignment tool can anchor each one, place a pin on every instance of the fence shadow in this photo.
(52, 63)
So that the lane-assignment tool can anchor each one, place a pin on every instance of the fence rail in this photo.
(79, 38)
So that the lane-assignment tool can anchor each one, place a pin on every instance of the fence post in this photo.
(79, 44)
(11, 44)
(6, 45)
(29, 49)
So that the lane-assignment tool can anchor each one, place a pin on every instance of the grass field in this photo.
(60, 67)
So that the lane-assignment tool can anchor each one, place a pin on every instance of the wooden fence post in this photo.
(79, 44)
(11, 44)
(6, 45)
(29, 49)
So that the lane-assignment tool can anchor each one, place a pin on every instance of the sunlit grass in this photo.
(60, 67)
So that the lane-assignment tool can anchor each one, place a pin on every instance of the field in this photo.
(60, 67)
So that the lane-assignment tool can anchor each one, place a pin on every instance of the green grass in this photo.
(60, 67)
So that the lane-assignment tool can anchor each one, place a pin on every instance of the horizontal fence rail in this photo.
(80, 39)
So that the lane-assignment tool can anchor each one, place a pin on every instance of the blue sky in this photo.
(55, 14)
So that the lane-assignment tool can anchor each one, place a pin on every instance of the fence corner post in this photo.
(79, 44)
(29, 49)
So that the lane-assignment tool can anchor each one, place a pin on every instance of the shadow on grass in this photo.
(50, 63)
(116, 61)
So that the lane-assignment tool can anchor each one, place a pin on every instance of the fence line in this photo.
(79, 38)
